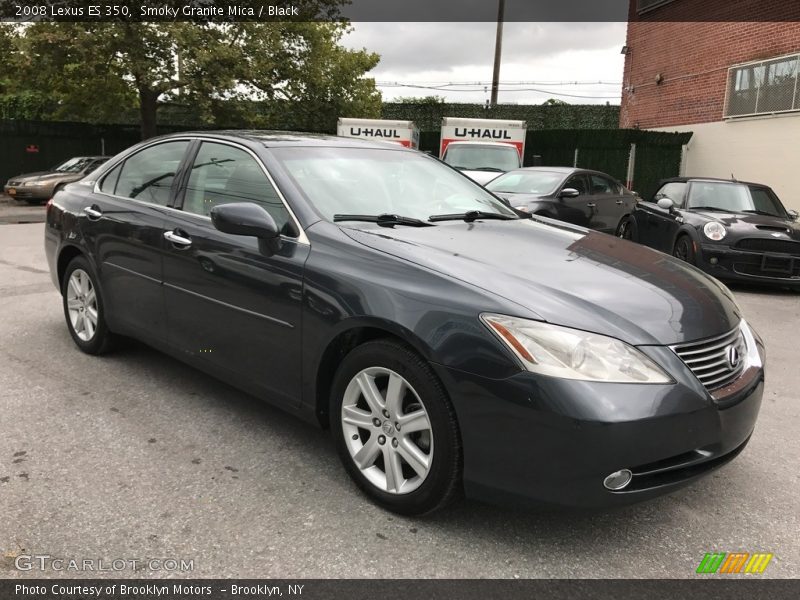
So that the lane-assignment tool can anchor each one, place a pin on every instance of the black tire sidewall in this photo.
(631, 223)
(685, 239)
(443, 479)
(100, 342)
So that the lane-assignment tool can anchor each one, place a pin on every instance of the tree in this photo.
(99, 70)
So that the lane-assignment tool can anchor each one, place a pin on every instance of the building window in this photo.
(645, 5)
(762, 88)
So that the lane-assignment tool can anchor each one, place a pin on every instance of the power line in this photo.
(483, 90)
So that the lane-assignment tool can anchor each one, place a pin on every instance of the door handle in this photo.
(178, 240)
(620, 202)
(93, 212)
(592, 205)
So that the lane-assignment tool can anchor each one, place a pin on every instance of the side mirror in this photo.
(246, 218)
(793, 214)
(569, 193)
(666, 204)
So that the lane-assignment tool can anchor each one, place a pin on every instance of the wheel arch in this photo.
(349, 336)
(65, 256)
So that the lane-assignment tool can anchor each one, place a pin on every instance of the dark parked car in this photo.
(446, 342)
(733, 230)
(39, 187)
(587, 198)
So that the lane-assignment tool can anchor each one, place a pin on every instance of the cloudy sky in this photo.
(558, 60)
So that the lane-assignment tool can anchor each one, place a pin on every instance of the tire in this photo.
(626, 229)
(684, 249)
(81, 298)
(362, 429)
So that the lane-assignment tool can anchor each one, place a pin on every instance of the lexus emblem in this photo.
(732, 355)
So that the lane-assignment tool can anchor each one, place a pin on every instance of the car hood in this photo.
(47, 176)
(755, 224)
(569, 276)
(517, 199)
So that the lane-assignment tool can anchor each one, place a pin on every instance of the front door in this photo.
(230, 304)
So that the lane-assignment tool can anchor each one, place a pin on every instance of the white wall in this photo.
(763, 150)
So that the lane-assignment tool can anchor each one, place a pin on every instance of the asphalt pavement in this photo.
(135, 456)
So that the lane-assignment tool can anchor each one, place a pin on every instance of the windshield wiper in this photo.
(472, 215)
(760, 212)
(384, 220)
(492, 169)
(716, 208)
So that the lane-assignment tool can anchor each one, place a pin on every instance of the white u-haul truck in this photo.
(402, 132)
(482, 148)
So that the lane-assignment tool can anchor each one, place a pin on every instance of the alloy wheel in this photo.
(82, 305)
(387, 430)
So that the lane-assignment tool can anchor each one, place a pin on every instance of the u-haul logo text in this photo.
(374, 132)
(484, 134)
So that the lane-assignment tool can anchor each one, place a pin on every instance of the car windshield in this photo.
(367, 181)
(540, 183)
(734, 197)
(480, 156)
(73, 165)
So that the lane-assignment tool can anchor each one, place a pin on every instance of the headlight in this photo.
(714, 231)
(573, 354)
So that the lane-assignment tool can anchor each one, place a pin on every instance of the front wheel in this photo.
(395, 428)
(684, 249)
(84, 309)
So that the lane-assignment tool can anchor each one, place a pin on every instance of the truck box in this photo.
(402, 132)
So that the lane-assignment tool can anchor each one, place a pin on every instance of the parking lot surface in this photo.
(136, 456)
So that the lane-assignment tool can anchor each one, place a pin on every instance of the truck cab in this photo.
(482, 161)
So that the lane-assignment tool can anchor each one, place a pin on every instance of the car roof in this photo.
(277, 139)
(709, 179)
(562, 170)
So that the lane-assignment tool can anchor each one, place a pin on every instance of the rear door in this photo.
(123, 223)
(229, 304)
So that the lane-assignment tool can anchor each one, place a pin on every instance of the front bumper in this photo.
(533, 440)
(40, 193)
(730, 264)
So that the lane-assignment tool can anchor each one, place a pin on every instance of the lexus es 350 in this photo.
(448, 344)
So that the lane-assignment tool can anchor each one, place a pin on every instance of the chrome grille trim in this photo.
(708, 358)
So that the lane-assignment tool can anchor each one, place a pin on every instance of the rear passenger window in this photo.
(222, 174)
(148, 174)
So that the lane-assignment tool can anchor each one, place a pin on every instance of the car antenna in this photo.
(733, 178)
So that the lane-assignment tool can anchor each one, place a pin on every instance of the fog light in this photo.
(714, 260)
(618, 480)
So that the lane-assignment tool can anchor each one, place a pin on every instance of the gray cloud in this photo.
(410, 48)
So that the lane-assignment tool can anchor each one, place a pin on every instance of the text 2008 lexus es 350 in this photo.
(448, 344)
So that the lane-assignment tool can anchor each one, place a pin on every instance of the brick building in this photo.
(730, 74)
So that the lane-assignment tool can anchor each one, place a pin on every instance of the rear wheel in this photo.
(684, 249)
(395, 428)
(626, 228)
(84, 309)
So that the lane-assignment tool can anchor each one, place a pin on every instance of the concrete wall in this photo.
(764, 150)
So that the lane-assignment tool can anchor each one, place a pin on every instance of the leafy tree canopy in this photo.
(97, 71)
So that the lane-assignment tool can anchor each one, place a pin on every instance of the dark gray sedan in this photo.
(369, 289)
(587, 198)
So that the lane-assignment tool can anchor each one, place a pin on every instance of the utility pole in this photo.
(498, 47)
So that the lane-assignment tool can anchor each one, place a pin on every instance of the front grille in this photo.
(766, 245)
(709, 359)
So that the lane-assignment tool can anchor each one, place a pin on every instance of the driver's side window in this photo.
(675, 191)
(576, 182)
